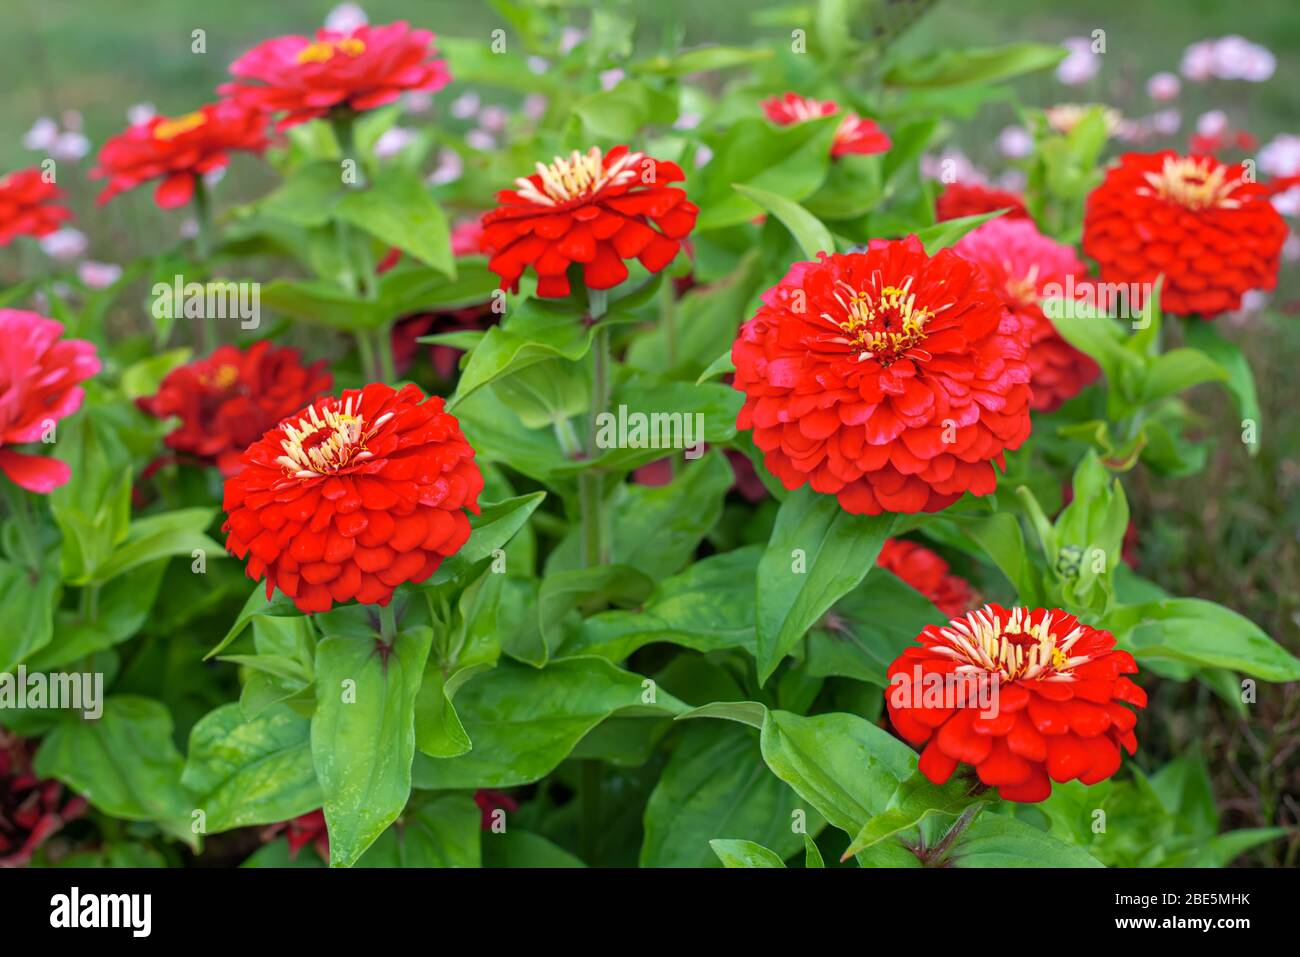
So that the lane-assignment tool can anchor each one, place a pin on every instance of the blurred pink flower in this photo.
(1163, 87)
(98, 275)
(346, 17)
(1015, 142)
(64, 244)
(1080, 64)
(1280, 156)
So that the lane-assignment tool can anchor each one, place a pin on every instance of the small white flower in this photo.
(1166, 122)
(465, 106)
(140, 114)
(42, 136)
(449, 169)
(98, 275)
(702, 156)
(1015, 142)
(1213, 123)
(1287, 202)
(611, 78)
(687, 121)
(570, 37)
(70, 146)
(417, 101)
(534, 106)
(1080, 64)
(1280, 156)
(493, 118)
(480, 140)
(538, 65)
(64, 244)
(1198, 61)
(346, 17)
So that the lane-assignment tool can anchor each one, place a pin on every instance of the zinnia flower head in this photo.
(972, 199)
(594, 209)
(1206, 226)
(1026, 696)
(28, 206)
(39, 379)
(31, 810)
(352, 497)
(891, 379)
(177, 150)
(358, 69)
(856, 134)
(1023, 266)
(227, 400)
(928, 573)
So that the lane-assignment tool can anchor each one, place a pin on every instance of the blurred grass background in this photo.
(1231, 535)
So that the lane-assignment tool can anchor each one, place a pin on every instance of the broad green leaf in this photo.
(397, 209)
(363, 734)
(516, 848)
(945, 234)
(915, 800)
(1179, 369)
(745, 854)
(1241, 380)
(812, 854)
(257, 605)
(808, 231)
(994, 840)
(948, 68)
(28, 600)
(181, 532)
(492, 528)
(817, 554)
(437, 831)
(251, 772)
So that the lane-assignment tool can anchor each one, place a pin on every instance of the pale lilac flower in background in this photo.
(213, 177)
(64, 244)
(1163, 87)
(1236, 58)
(1012, 179)
(1214, 123)
(611, 78)
(465, 106)
(687, 121)
(346, 17)
(1252, 304)
(417, 101)
(1291, 248)
(42, 136)
(1166, 122)
(393, 140)
(951, 166)
(1287, 202)
(189, 228)
(72, 120)
(538, 65)
(1259, 67)
(481, 140)
(449, 169)
(534, 106)
(494, 118)
(98, 275)
(702, 156)
(1280, 156)
(1080, 64)
(1198, 61)
(1015, 142)
(570, 37)
(140, 114)
(70, 145)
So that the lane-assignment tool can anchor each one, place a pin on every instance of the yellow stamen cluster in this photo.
(982, 641)
(324, 442)
(324, 50)
(170, 129)
(881, 325)
(225, 376)
(579, 175)
(1024, 289)
(1193, 183)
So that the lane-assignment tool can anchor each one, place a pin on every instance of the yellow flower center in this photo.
(170, 129)
(225, 376)
(323, 51)
(321, 443)
(881, 325)
(1196, 184)
(1013, 648)
(579, 175)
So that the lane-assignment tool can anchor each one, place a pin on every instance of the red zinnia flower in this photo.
(304, 829)
(1026, 696)
(30, 809)
(28, 207)
(226, 401)
(928, 573)
(1207, 227)
(488, 801)
(971, 199)
(353, 497)
(178, 150)
(360, 69)
(39, 376)
(1023, 267)
(856, 134)
(890, 379)
(595, 210)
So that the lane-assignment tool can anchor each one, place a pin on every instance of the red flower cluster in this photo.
(28, 207)
(963, 199)
(178, 150)
(39, 380)
(856, 134)
(1206, 226)
(890, 379)
(591, 209)
(30, 809)
(1026, 696)
(304, 829)
(489, 801)
(226, 401)
(1024, 266)
(928, 573)
(358, 70)
(353, 497)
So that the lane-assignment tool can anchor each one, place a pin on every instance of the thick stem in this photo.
(668, 319)
(384, 344)
(935, 855)
(203, 246)
(387, 623)
(595, 543)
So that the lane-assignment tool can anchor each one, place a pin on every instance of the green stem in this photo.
(668, 319)
(387, 365)
(387, 623)
(595, 542)
(567, 436)
(203, 245)
(89, 604)
(366, 349)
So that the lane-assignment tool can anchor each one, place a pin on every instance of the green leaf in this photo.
(995, 840)
(161, 536)
(745, 854)
(524, 721)
(363, 734)
(516, 848)
(743, 712)
(816, 555)
(947, 68)
(715, 783)
(808, 231)
(1179, 369)
(28, 601)
(720, 366)
(257, 605)
(438, 831)
(703, 59)
(1241, 380)
(492, 528)
(397, 209)
(124, 763)
(945, 234)
(915, 800)
(251, 772)
(812, 854)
